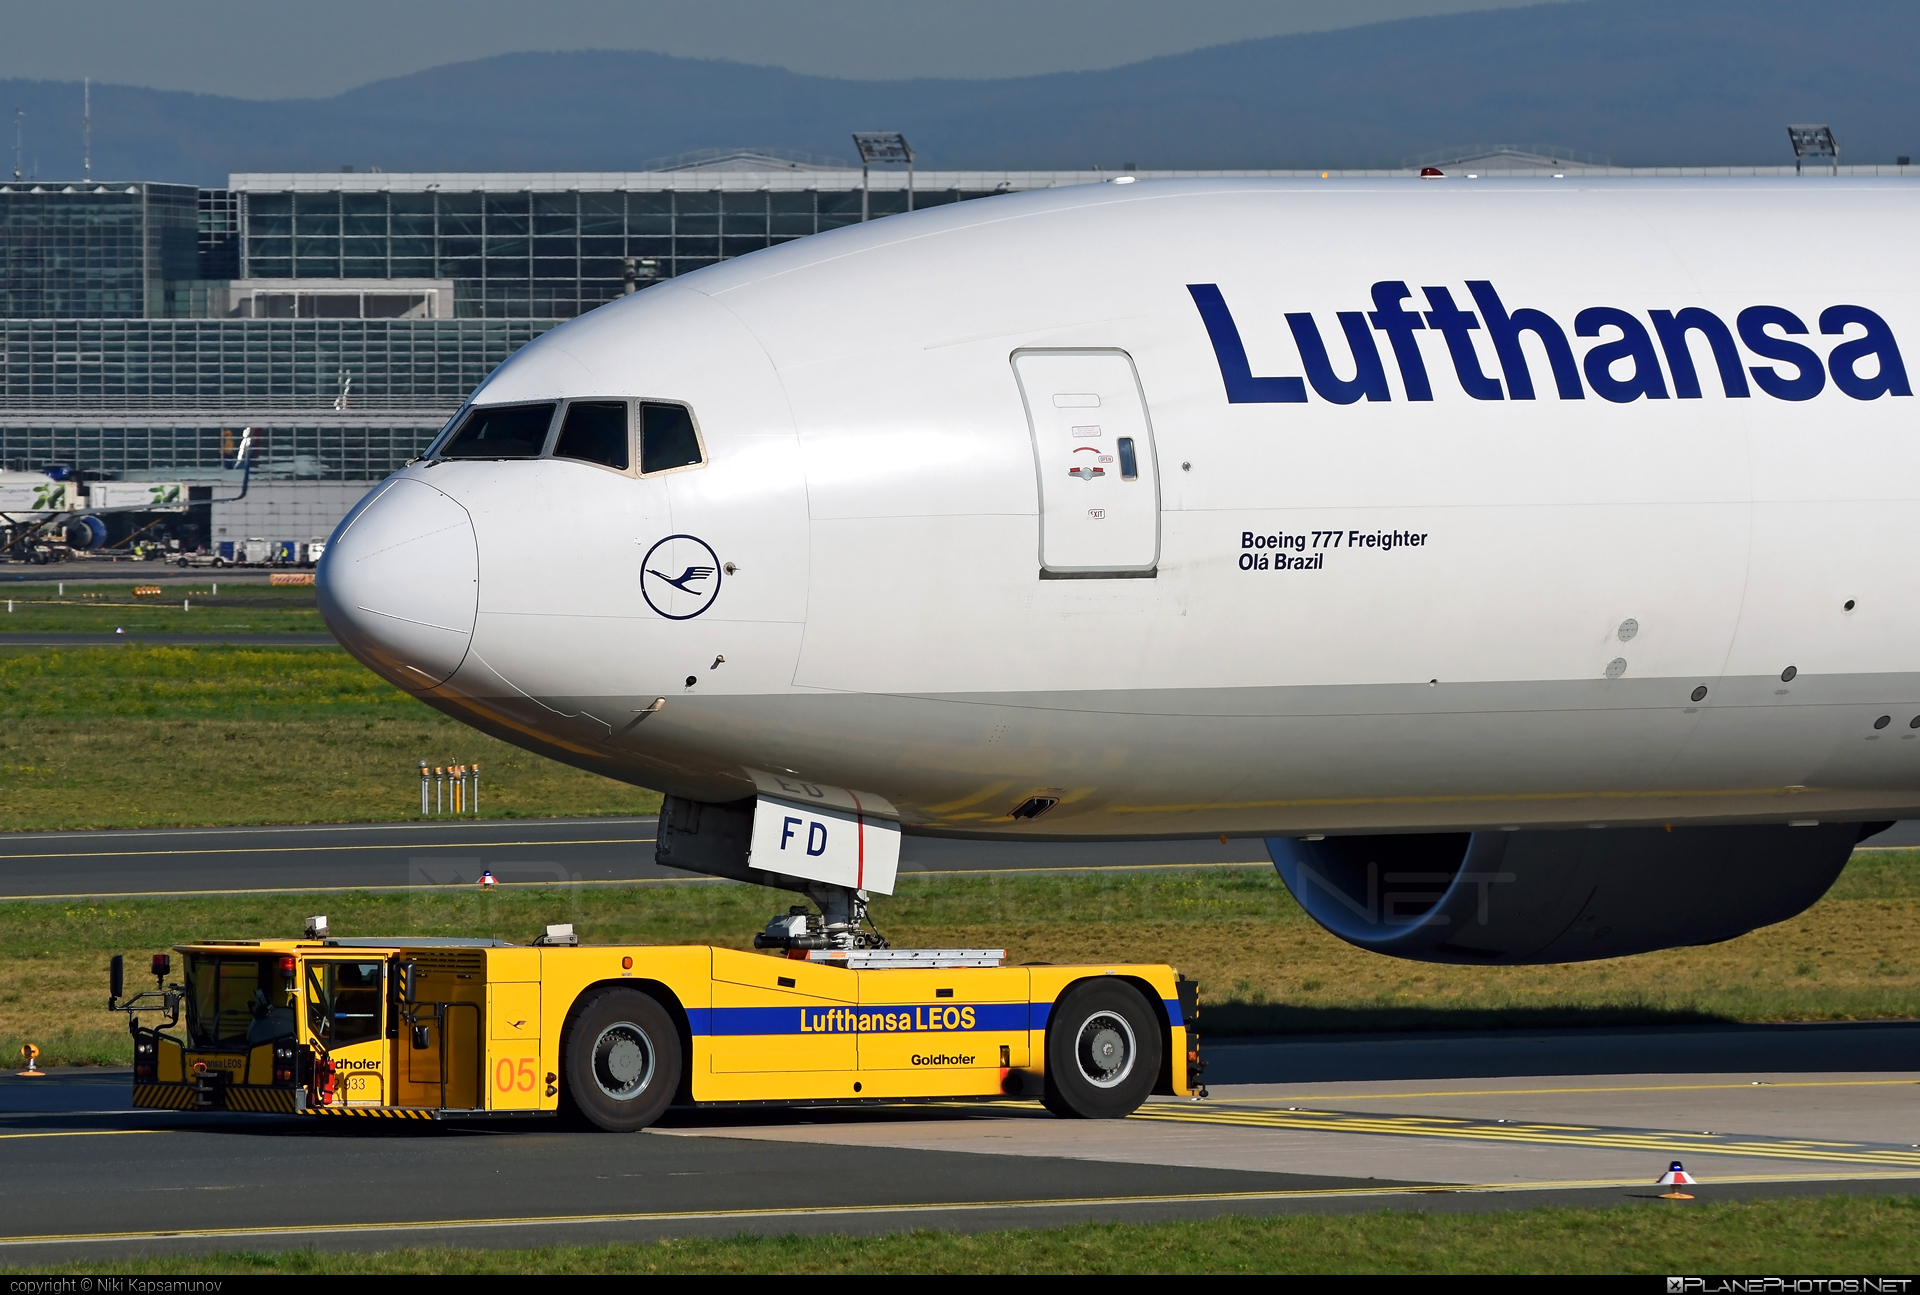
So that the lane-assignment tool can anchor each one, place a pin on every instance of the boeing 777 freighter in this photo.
(1529, 562)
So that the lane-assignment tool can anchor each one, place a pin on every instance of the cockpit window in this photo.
(502, 432)
(668, 439)
(595, 431)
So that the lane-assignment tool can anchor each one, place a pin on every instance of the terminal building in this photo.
(345, 316)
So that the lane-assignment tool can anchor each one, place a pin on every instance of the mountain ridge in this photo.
(1710, 82)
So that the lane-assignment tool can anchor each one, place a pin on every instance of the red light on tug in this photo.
(1432, 173)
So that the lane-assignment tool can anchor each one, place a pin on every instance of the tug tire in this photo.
(620, 1060)
(1103, 1051)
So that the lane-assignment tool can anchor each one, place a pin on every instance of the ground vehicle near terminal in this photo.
(445, 1029)
(256, 551)
(1420, 527)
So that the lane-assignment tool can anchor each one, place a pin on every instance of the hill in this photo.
(1645, 82)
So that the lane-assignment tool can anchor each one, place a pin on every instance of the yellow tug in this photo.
(427, 1028)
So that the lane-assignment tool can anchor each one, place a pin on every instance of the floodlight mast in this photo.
(1814, 142)
(888, 146)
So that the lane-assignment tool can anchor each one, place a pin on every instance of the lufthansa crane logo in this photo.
(680, 577)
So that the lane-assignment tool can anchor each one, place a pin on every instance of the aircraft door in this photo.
(1093, 450)
(346, 1016)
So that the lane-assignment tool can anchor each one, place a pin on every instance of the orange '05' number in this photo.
(506, 1077)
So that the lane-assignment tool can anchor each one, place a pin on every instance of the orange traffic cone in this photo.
(1674, 1179)
(30, 1055)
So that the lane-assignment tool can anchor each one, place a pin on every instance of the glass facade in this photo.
(157, 448)
(219, 234)
(329, 400)
(95, 251)
(532, 253)
(345, 317)
(252, 363)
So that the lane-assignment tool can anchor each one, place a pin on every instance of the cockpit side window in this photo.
(668, 439)
(595, 431)
(500, 432)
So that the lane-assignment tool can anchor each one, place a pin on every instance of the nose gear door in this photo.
(1093, 450)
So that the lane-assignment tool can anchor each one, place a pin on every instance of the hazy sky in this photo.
(270, 49)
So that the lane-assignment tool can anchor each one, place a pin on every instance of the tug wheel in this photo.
(1103, 1051)
(620, 1060)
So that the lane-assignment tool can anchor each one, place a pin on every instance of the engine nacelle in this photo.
(1560, 896)
(87, 532)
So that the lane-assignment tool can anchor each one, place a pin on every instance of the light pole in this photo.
(1814, 142)
(884, 146)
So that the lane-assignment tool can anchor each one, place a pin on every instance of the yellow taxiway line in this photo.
(1598, 1088)
(549, 884)
(905, 874)
(81, 1133)
(935, 1207)
(321, 849)
(1661, 1141)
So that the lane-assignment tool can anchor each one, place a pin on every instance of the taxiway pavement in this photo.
(94, 1179)
(530, 852)
(164, 640)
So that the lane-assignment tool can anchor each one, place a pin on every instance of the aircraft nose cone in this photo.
(400, 582)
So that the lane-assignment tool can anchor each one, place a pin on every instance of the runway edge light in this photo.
(1675, 1178)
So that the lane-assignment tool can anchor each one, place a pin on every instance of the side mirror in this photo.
(117, 977)
(409, 982)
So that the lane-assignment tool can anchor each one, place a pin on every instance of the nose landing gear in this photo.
(841, 923)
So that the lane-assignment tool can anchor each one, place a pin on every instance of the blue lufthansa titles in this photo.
(1624, 338)
(904, 1020)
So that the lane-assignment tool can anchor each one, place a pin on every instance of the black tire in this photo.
(1103, 1051)
(1052, 1101)
(620, 1060)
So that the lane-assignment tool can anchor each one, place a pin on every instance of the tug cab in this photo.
(419, 1028)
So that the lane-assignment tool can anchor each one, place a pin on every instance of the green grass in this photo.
(93, 607)
(1262, 964)
(135, 736)
(1831, 1235)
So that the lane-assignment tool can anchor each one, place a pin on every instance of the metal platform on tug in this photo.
(871, 959)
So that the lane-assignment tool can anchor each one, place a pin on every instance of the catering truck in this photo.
(612, 1035)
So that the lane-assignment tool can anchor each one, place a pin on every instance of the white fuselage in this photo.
(1297, 615)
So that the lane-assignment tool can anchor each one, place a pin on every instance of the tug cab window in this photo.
(668, 439)
(595, 431)
(235, 1002)
(500, 432)
(344, 1001)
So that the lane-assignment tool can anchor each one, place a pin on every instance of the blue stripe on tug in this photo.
(919, 1018)
(1041, 1011)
